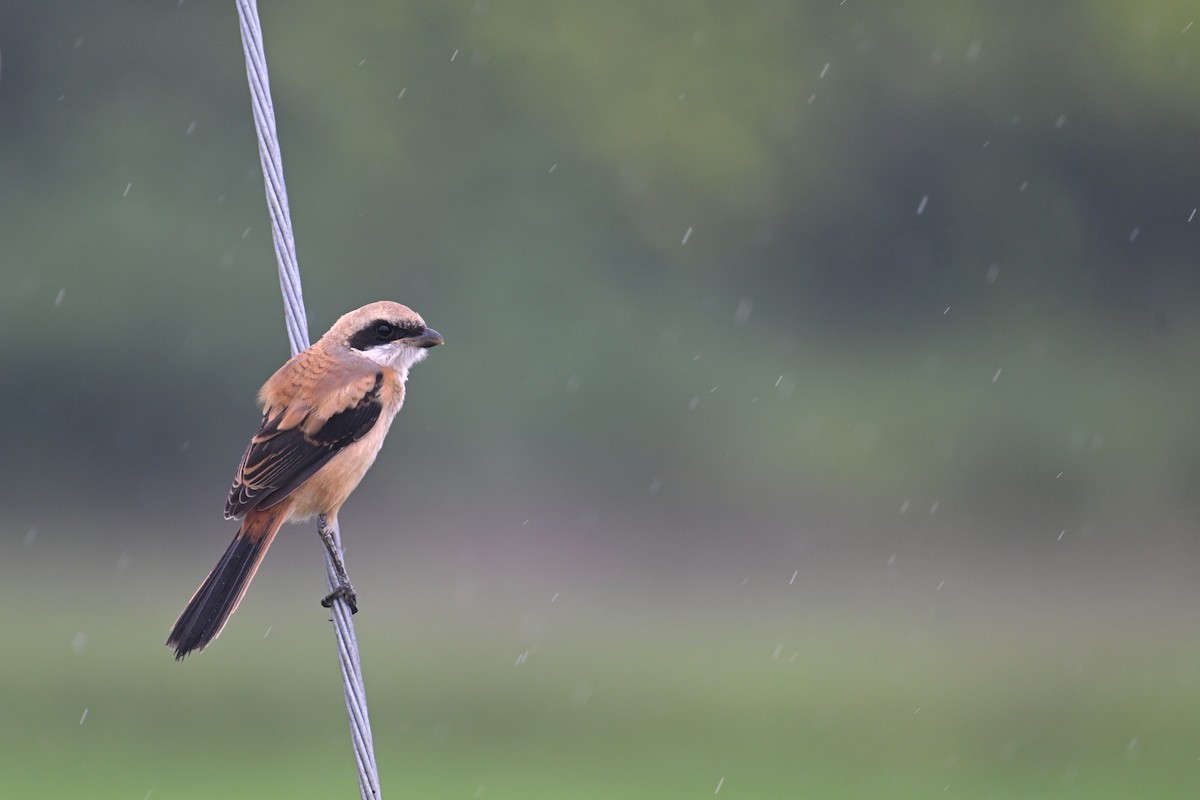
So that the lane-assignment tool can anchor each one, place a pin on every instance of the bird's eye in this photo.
(384, 331)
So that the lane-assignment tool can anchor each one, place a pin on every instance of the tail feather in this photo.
(217, 598)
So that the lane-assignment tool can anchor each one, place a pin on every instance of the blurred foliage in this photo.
(872, 252)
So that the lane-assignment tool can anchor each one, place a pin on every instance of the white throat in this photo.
(397, 355)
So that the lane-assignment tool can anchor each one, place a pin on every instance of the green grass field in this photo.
(743, 696)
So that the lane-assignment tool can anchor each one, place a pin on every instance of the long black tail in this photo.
(219, 595)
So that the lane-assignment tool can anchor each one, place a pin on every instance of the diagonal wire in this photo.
(297, 327)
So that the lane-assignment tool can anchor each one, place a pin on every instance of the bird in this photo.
(325, 415)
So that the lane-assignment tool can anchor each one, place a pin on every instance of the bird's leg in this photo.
(343, 589)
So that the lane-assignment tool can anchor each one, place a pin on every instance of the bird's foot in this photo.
(345, 592)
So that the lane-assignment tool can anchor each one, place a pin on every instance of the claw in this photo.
(345, 592)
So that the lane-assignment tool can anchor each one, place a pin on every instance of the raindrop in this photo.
(993, 273)
(78, 642)
(655, 485)
(403, 89)
(904, 506)
(824, 70)
(81, 719)
(1192, 216)
(128, 186)
(191, 128)
(996, 377)
(891, 559)
(552, 599)
(521, 658)
(686, 235)
(922, 204)
(1061, 534)
(1062, 120)
(720, 783)
(58, 298)
(553, 167)
(973, 50)
(454, 56)
(695, 402)
(742, 315)
(30, 536)
(793, 580)
(1133, 234)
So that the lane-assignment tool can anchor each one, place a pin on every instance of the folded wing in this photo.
(297, 439)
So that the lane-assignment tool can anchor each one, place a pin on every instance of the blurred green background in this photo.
(816, 417)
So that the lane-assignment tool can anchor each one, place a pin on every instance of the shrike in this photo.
(325, 414)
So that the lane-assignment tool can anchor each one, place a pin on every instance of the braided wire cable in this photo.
(297, 328)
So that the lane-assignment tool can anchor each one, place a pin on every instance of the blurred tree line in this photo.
(847, 250)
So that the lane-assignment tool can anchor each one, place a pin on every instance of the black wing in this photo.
(278, 461)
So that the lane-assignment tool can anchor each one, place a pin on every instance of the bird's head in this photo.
(387, 333)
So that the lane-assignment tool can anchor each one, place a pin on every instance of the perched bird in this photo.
(325, 415)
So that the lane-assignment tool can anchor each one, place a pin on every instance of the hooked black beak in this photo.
(427, 338)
